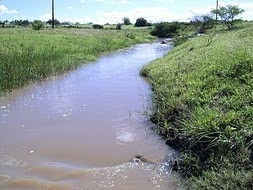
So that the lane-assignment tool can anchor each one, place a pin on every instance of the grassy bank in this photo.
(28, 55)
(203, 106)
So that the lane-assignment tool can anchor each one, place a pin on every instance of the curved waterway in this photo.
(83, 130)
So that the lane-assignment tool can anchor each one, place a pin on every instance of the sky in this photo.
(112, 11)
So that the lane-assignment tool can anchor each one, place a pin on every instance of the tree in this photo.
(203, 22)
(166, 29)
(228, 14)
(56, 22)
(65, 23)
(37, 25)
(119, 26)
(126, 21)
(97, 26)
(141, 22)
(25, 23)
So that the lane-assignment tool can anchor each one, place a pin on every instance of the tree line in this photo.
(227, 16)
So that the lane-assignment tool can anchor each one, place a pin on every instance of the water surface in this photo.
(82, 130)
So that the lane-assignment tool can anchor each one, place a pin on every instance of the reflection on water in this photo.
(82, 130)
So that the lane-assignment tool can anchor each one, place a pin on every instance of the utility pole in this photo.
(217, 7)
(53, 14)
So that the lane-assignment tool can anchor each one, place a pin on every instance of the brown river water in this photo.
(83, 129)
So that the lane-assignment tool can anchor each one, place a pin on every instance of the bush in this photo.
(149, 24)
(126, 21)
(119, 26)
(56, 22)
(141, 22)
(97, 26)
(37, 25)
(166, 29)
(203, 23)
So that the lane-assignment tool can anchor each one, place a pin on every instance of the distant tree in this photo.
(25, 23)
(119, 26)
(18, 22)
(166, 29)
(37, 25)
(141, 22)
(97, 26)
(2, 24)
(228, 14)
(65, 23)
(149, 24)
(203, 22)
(56, 22)
(126, 21)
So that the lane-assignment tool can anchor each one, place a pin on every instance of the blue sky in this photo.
(112, 11)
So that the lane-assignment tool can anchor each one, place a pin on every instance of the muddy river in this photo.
(83, 130)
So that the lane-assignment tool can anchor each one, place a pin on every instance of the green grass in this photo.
(203, 106)
(28, 55)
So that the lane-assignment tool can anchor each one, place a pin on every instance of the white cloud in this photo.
(152, 14)
(157, 14)
(46, 17)
(5, 10)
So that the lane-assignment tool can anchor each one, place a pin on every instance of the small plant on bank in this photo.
(38, 25)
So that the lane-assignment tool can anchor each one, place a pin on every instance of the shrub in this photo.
(131, 36)
(56, 22)
(141, 22)
(166, 29)
(119, 26)
(97, 26)
(126, 21)
(149, 24)
(203, 22)
(37, 25)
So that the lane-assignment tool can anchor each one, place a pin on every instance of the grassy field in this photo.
(28, 55)
(203, 106)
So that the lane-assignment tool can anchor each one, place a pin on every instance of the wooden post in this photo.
(53, 14)
(217, 7)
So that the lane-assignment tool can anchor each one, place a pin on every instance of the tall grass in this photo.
(28, 55)
(203, 105)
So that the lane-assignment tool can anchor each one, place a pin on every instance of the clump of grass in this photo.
(203, 105)
(28, 55)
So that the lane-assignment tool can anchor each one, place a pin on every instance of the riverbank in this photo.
(203, 106)
(28, 55)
